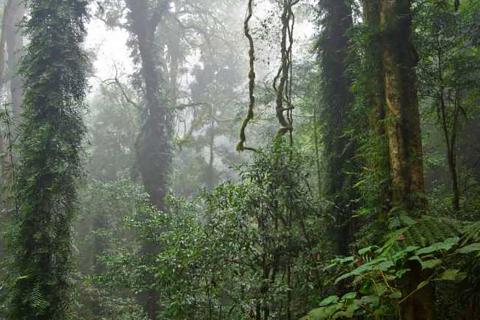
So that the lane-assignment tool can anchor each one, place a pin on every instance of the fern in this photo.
(437, 244)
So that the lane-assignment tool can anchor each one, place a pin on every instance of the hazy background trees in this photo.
(357, 194)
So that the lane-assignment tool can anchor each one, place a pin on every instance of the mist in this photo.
(239, 159)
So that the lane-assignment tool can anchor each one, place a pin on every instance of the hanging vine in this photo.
(251, 77)
(282, 83)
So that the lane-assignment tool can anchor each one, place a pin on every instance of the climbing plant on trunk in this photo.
(404, 136)
(49, 153)
(403, 118)
(154, 149)
(337, 101)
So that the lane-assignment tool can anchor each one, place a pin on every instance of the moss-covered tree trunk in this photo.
(374, 87)
(154, 150)
(402, 112)
(404, 136)
(49, 162)
(337, 102)
(374, 63)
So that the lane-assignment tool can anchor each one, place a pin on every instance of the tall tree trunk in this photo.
(11, 45)
(3, 140)
(404, 135)
(376, 90)
(5, 18)
(154, 150)
(338, 99)
(49, 147)
(375, 100)
(14, 43)
(403, 117)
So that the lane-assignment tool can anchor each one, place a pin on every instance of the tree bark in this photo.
(404, 135)
(154, 150)
(418, 306)
(14, 44)
(338, 99)
(402, 114)
(375, 99)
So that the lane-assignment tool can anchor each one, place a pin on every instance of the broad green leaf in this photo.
(451, 275)
(369, 266)
(370, 300)
(348, 313)
(474, 247)
(401, 272)
(346, 259)
(431, 264)
(323, 313)
(415, 258)
(380, 289)
(349, 296)
(439, 246)
(406, 220)
(329, 300)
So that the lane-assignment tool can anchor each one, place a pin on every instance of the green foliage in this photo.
(49, 153)
(368, 126)
(442, 248)
(103, 227)
(245, 248)
(448, 72)
(260, 245)
(336, 105)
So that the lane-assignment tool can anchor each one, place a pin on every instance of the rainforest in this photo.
(239, 159)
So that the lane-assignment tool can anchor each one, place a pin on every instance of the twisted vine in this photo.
(282, 83)
(251, 83)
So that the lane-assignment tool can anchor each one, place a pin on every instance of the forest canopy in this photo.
(239, 159)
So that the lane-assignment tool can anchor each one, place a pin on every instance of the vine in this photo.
(49, 153)
(251, 76)
(282, 83)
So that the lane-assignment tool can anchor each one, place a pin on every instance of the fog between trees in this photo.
(240, 159)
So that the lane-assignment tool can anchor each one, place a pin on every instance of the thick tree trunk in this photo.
(339, 148)
(154, 151)
(419, 306)
(404, 135)
(375, 99)
(49, 148)
(403, 118)
(376, 91)
(154, 146)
